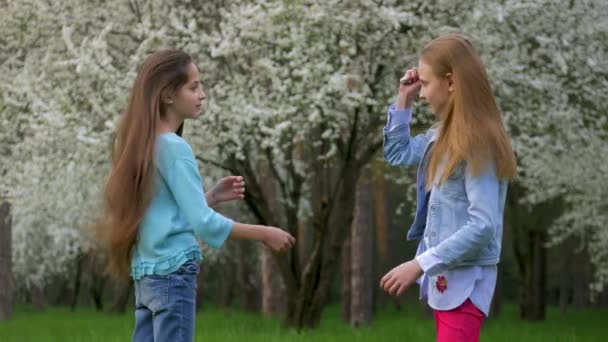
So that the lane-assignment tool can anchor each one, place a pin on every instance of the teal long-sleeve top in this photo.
(178, 213)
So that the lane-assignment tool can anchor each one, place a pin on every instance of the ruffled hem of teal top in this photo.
(167, 266)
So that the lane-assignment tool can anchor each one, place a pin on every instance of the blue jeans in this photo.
(165, 305)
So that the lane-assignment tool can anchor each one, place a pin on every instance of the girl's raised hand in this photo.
(409, 88)
(226, 189)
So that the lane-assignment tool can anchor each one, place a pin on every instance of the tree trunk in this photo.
(37, 298)
(250, 299)
(97, 278)
(533, 288)
(346, 280)
(303, 238)
(308, 294)
(381, 219)
(362, 255)
(122, 293)
(77, 282)
(6, 287)
(96, 292)
(602, 300)
(200, 287)
(274, 301)
(580, 290)
(303, 242)
(529, 226)
(331, 186)
(274, 295)
(228, 279)
(497, 299)
(565, 282)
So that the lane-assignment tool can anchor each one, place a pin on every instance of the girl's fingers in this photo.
(384, 279)
(394, 288)
(289, 242)
(389, 283)
(410, 76)
(402, 289)
(235, 180)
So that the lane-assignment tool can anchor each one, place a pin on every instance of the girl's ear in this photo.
(166, 98)
(450, 79)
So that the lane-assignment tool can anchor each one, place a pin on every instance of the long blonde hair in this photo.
(471, 127)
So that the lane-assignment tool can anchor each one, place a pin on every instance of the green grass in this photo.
(60, 324)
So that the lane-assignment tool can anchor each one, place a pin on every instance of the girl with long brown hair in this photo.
(154, 204)
(464, 162)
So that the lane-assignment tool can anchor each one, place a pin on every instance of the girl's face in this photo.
(435, 90)
(188, 100)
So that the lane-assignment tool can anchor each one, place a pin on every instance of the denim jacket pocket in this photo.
(454, 187)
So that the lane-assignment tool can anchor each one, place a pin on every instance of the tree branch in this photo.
(214, 163)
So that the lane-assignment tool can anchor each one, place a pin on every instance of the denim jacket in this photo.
(466, 212)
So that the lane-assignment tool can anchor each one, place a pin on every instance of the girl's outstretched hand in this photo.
(226, 189)
(277, 239)
(400, 278)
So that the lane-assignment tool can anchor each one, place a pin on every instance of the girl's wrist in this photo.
(403, 102)
(262, 233)
(210, 197)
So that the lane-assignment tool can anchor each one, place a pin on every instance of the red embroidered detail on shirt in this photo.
(441, 284)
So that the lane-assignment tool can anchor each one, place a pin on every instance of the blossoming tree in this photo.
(298, 91)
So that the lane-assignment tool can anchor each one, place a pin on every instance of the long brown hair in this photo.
(471, 127)
(129, 187)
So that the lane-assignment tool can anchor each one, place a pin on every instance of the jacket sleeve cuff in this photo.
(430, 263)
(398, 117)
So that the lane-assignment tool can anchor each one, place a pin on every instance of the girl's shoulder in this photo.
(170, 146)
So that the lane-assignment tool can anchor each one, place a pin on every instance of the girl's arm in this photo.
(185, 183)
(399, 147)
(275, 238)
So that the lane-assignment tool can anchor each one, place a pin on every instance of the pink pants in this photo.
(459, 325)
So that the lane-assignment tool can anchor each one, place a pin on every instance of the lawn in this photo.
(59, 324)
